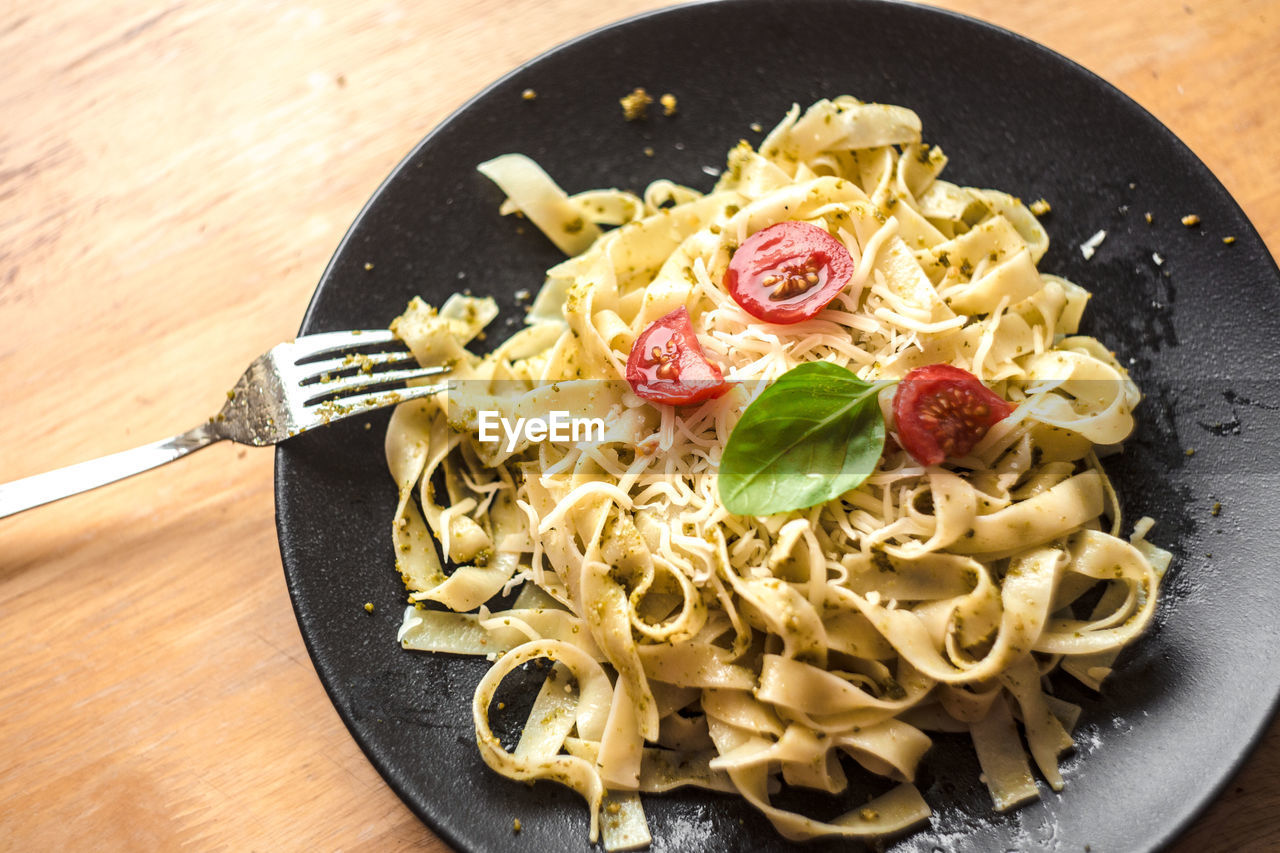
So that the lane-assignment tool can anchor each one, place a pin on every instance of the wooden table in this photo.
(173, 178)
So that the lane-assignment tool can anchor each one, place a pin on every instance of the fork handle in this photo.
(74, 479)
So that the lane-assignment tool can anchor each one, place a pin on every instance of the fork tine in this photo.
(345, 407)
(341, 388)
(314, 371)
(336, 343)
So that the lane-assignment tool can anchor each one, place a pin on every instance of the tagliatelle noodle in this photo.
(696, 647)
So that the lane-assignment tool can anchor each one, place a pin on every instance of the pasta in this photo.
(694, 646)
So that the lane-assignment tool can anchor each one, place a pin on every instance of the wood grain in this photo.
(173, 178)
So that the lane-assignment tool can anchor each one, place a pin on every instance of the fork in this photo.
(291, 388)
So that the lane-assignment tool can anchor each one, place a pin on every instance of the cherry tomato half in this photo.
(788, 272)
(944, 411)
(667, 364)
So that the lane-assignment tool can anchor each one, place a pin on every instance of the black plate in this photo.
(1199, 333)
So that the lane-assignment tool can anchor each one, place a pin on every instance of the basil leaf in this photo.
(813, 435)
